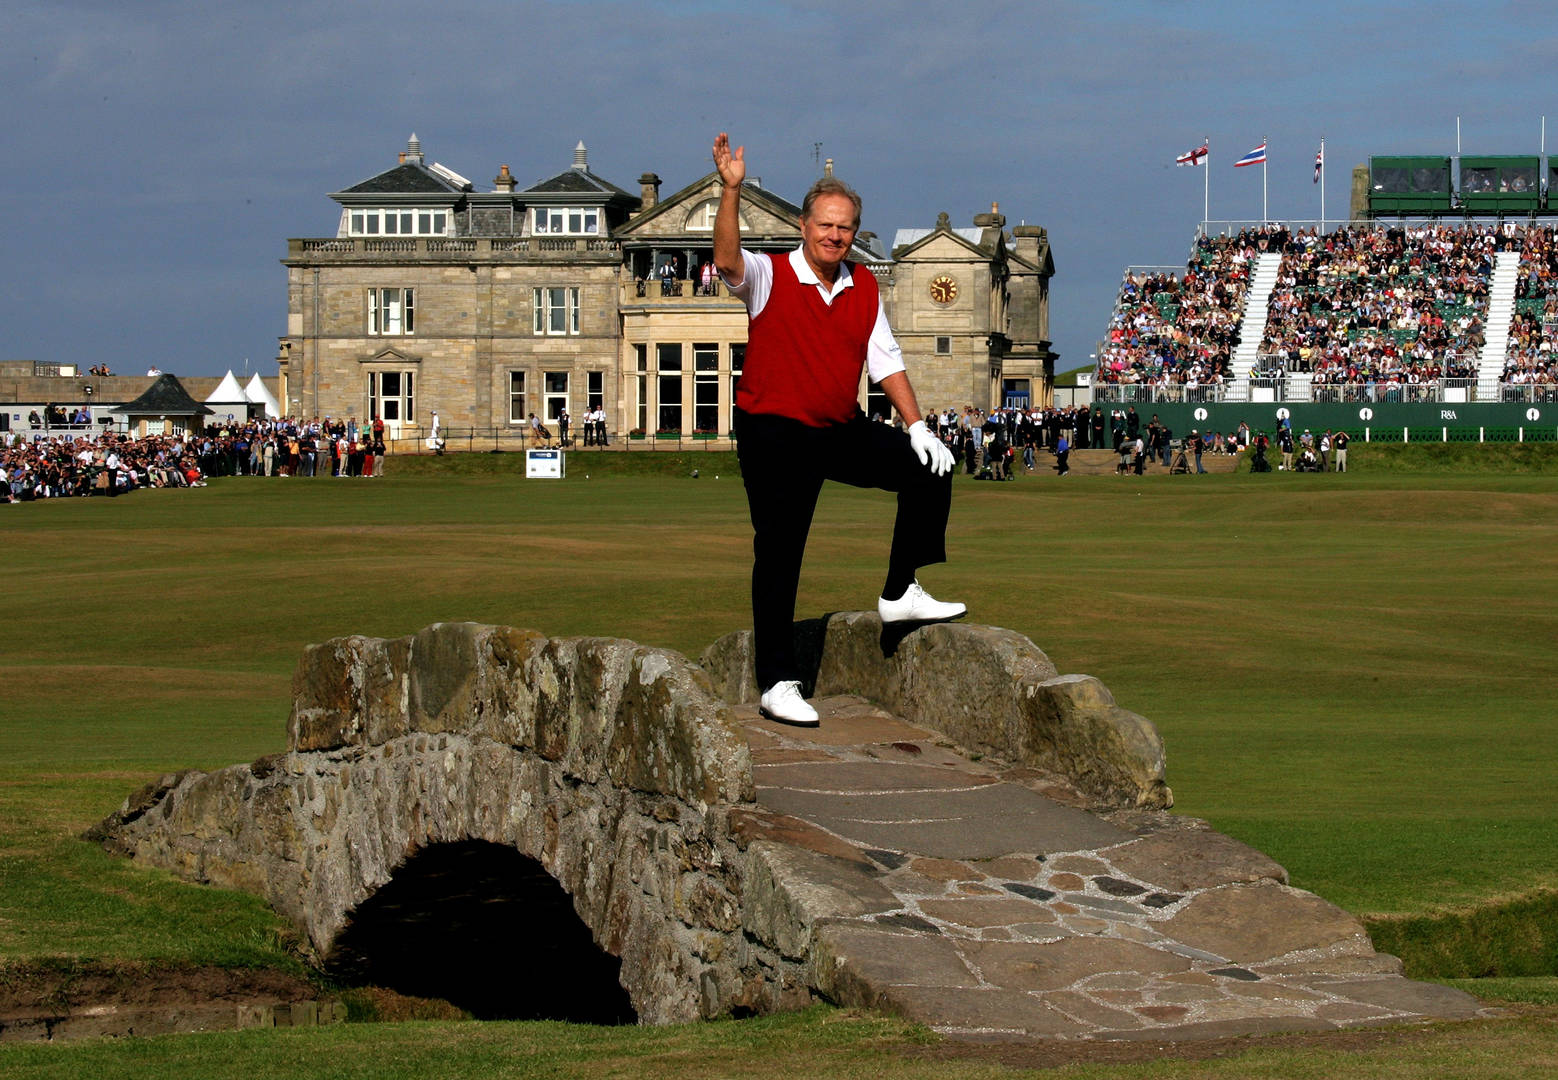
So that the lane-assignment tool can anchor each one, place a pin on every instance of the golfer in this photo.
(815, 320)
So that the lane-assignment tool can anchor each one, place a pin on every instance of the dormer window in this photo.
(423, 222)
(566, 221)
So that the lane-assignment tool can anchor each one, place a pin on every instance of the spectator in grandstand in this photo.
(1384, 312)
(1176, 335)
(1530, 367)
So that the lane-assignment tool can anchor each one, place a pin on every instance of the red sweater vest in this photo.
(804, 355)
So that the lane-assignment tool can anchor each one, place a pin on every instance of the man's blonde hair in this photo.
(830, 185)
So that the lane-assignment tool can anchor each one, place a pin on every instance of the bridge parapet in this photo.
(990, 689)
(605, 710)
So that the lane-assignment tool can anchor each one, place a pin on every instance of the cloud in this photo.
(176, 141)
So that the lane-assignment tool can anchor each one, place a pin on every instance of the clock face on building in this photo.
(943, 289)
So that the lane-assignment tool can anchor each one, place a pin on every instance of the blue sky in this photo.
(161, 153)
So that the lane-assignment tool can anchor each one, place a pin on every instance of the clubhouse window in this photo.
(399, 223)
(391, 312)
(566, 221)
(556, 310)
(517, 413)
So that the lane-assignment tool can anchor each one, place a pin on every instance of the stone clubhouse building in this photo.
(574, 293)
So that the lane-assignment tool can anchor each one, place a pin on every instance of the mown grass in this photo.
(819, 1042)
(1354, 677)
(1353, 673)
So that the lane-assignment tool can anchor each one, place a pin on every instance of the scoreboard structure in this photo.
(1493, 185)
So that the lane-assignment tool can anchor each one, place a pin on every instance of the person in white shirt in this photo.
(816, 320)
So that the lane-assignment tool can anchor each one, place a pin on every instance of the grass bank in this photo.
(819, 1042)
(581, 464)
(1499, 939)
(1473, 459)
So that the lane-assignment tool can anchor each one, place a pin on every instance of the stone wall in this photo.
(990, 689)
(474, 324)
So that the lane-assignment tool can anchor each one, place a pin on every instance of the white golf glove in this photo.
(933, 454)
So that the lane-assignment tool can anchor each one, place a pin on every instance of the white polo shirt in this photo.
(883, 355)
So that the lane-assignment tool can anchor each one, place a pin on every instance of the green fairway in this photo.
(1353, 675)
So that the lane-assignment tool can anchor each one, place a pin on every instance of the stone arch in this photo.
(610, 765)
(485, 928)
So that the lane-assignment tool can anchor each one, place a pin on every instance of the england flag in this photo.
(1193, 157)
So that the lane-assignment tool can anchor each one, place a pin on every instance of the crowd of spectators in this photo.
(108, 464)
(1169, 331)
(1531, 357)
(994, 445)
(295, 447)
(1394, 307)
(113, 463)
(1391, 310)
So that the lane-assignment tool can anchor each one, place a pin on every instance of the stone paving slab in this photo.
(977, 822)
(834, 777)
(966, 895)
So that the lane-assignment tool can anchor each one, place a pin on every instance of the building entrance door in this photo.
(391, 397)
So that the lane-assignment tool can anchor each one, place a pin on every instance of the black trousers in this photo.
(783, 465)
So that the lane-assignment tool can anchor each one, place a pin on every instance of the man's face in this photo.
(827, 233)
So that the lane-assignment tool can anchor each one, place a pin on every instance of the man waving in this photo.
(816, 320)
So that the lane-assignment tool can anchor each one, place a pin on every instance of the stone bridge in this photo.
(592, 829)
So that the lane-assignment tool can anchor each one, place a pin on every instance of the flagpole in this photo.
(1264, 216)
(1206, 186)
(1322, 187)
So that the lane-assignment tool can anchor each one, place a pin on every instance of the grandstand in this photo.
(1365, 313)
(1437, 306)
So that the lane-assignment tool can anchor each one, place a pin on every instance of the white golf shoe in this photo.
(917, 605)
(783, 702)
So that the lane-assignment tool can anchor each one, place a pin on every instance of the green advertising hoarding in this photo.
(1370, 421)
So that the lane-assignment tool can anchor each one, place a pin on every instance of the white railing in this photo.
(1528, 393)
(1406, 221)
(1382, 393)
(1147, 394)
(453, 245)
(1281, 387)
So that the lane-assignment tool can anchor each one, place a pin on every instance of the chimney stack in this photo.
(504, 181)
(993, 220)
(649, 190)
(1029, 240)
(827, 167)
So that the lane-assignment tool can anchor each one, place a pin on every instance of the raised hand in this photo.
(732, 166)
